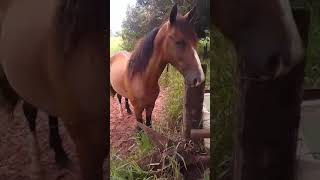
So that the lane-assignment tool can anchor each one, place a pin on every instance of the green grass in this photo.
(312, 70)
(128, 169)
(202, 43)
(115, 44)
(174, 83)
(223, 100)
(144, 144)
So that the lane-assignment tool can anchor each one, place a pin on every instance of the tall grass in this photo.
(222, 101)
(200, 49)
(312, 71)
(173, 82)
(128, 169)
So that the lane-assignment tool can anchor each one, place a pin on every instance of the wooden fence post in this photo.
(192, 111)
(268, 120)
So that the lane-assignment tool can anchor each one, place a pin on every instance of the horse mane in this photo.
(141, 55)
(79, 18)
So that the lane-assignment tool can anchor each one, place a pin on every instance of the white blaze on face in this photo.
(198, 66)
(296, 49)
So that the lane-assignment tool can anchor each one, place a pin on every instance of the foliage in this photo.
(205, 42)
(148, 14)
(174, 84)
(222, 99)
(312, 76)
(115, 44)
(121, 169)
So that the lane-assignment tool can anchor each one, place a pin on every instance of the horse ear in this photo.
(190, 14)
(173, 14)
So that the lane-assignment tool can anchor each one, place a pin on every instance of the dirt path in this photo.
(122, 128)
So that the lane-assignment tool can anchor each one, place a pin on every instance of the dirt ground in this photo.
(15, 146)
(122, 128)
(15, 157)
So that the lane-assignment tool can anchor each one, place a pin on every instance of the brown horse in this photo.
(263, 32)
(53, 54)
(135, 75)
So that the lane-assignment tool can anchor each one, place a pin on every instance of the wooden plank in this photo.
(200, 133)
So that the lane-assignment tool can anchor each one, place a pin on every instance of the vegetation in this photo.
(312, 76)
(115, 44)
(146, 15)
(128, 169)
(223, 86)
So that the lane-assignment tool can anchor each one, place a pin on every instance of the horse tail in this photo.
(8, 97)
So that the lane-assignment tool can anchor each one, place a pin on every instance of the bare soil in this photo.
(15, 148)
(122, 128)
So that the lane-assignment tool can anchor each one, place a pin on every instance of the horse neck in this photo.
(154, 69)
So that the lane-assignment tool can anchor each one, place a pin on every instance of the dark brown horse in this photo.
(135, 75)
(263, 32)
(53, 54)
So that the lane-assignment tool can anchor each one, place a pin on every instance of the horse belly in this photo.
(30, 80)
(22, 51)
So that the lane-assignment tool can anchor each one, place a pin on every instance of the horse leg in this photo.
(90, 137)
(138, 113)
(119, 99)
(61, 156)
(128, 106)
(30, 113)
(149, 110)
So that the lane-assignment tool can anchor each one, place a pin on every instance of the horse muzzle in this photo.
(194, 79)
